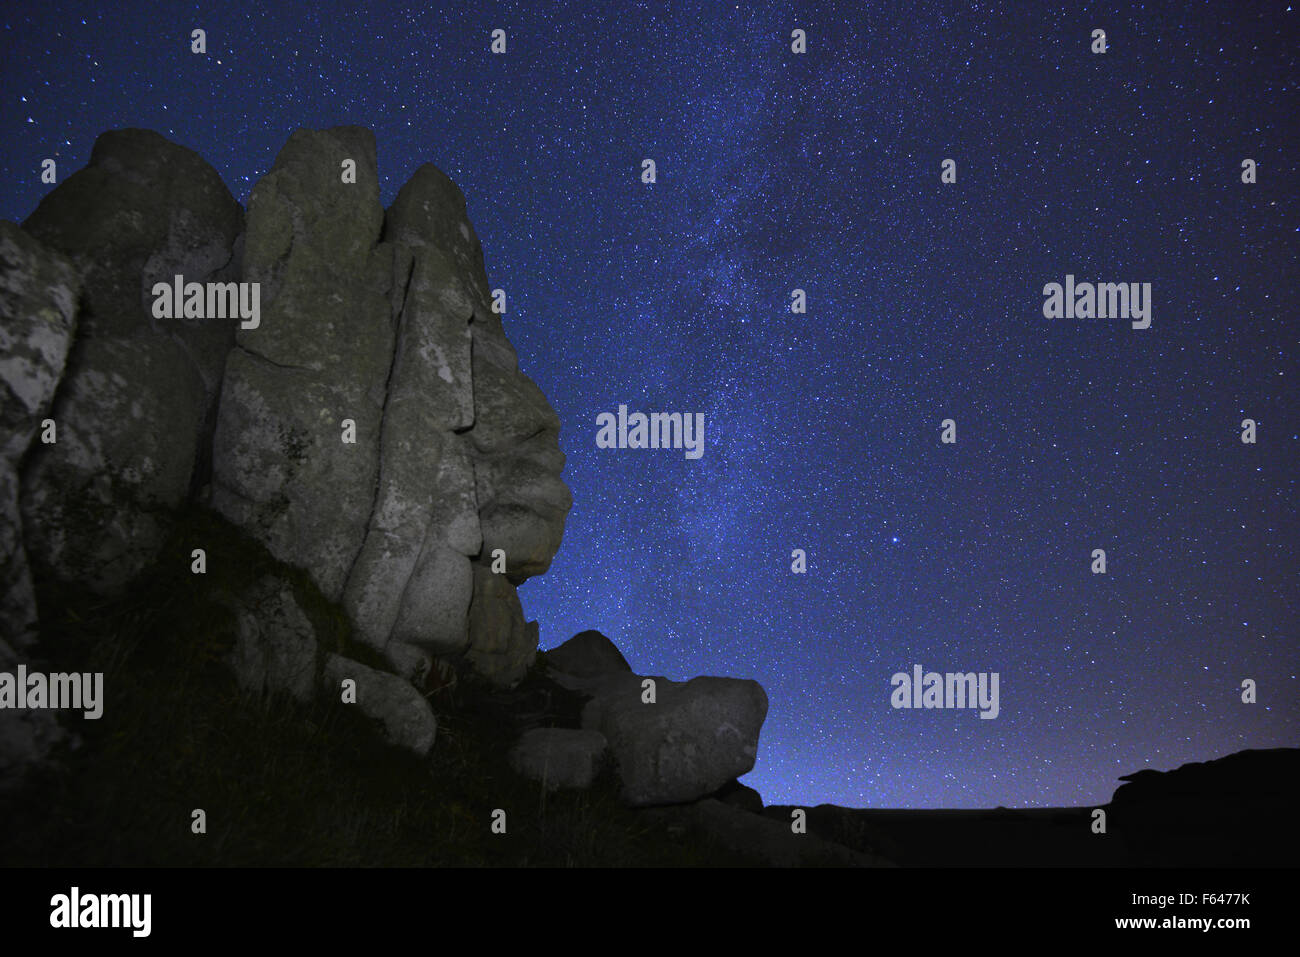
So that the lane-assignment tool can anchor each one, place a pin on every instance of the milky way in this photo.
(821, 171)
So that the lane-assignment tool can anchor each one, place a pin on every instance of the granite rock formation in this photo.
(369, 425)
(366, 424)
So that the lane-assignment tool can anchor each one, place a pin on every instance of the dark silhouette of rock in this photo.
(1245, 775)
(740, 796)
(588, 654)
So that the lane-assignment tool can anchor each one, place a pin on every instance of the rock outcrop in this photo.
(375, 429)
(371, 427)
(368, 425)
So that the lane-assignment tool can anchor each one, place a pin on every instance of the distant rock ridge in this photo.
(1254, 773)
(1232, 811)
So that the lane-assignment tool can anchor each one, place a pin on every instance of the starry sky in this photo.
(821, 171)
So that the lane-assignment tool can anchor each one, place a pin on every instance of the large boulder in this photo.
(386, 320)
(135, 406)
(143, 211)
(404, 716)
(694, 738)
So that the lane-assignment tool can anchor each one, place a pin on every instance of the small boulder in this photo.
(696, 737)
(275, 643)
(407, 719)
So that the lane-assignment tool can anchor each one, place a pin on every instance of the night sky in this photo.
(821, 172)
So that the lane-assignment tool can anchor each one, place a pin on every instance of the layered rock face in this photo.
(381, 324)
